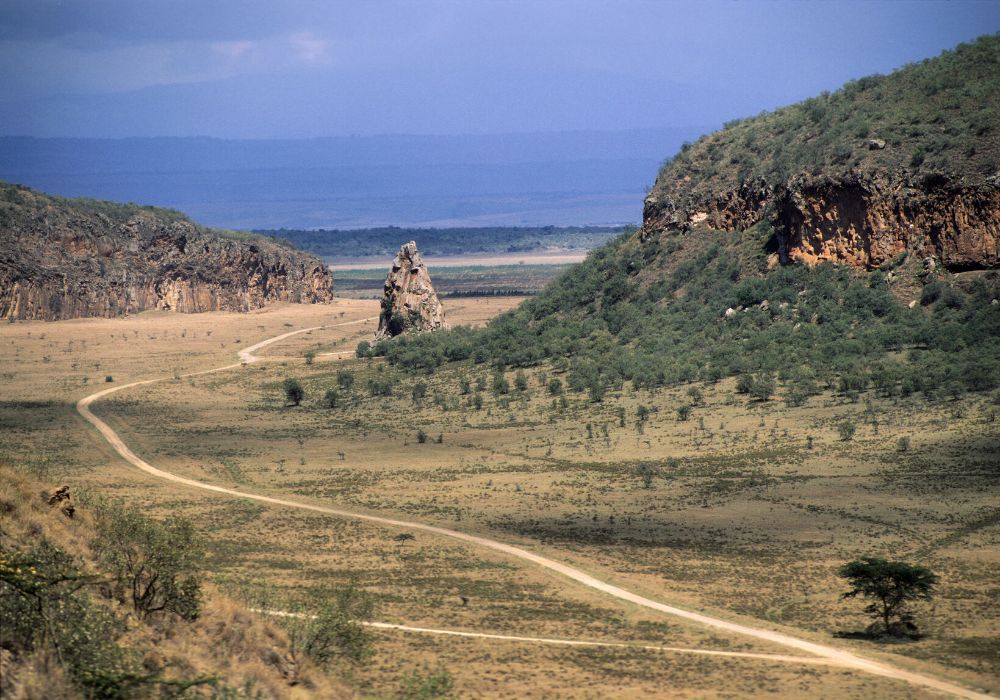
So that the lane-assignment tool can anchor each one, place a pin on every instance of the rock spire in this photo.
(409, 302)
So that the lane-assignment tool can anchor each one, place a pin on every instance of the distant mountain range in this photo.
(565, 178)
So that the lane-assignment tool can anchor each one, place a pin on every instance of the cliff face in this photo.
(859, 220)
(409, 302)
(63, 259)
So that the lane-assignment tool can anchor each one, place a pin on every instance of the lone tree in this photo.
(294, 393)
(891, 586)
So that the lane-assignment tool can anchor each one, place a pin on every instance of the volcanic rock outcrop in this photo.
(409, 302)
(63, 259)
(856, 219)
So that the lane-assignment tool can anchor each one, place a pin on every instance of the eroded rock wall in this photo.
(57, 262)
(860, 221)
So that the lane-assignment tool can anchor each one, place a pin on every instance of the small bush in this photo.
(931, 292)
(155, 565)
(427, 685)
(646, 473)
(345, 379)
(380, 387)
(418, 392)
(294, 393)
(520, 381)
(847, 429)
(500, 385)
(335, 630)
(331, 399)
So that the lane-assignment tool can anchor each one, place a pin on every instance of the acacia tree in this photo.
(890, 586)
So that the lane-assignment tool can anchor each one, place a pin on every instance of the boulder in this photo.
(409, 302)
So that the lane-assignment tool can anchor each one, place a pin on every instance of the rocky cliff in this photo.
(63, 258)
(908, 162)
(409, 302)
(859, 219)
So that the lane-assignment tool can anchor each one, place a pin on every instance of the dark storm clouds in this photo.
(295, 69)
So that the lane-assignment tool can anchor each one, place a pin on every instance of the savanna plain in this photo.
(737, 507)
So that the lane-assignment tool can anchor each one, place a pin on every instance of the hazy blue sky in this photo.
(294, 69)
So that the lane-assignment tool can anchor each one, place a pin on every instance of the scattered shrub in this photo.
(294, 393)
(847, 429)
(155, 565)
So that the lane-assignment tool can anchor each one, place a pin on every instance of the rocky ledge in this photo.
(856, 219)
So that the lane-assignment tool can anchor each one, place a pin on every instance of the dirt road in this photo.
(785, 658)
(833, 655)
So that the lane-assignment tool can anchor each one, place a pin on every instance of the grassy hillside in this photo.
(654, 313)
(74, 626)
(26, 202)
(658, 308)
(941, 115)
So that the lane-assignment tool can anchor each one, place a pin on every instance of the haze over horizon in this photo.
(595, 95)
(303, 69)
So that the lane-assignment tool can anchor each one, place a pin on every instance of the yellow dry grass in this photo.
(749, 522)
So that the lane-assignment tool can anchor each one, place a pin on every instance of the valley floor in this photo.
(750, 509)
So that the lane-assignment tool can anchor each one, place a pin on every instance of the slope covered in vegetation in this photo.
(908, 162)
(100, 601)
(700, 292)
(683, 308)
(941, 115)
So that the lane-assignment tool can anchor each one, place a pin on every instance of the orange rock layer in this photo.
(857, 221)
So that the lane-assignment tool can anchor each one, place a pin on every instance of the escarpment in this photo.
(907, 162)
(62, 259)
(409, 302)
(860, 220)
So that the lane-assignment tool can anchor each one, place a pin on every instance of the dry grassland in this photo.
(750, 510)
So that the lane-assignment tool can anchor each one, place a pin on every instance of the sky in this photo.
(269, 69)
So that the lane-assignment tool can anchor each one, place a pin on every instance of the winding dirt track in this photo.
(831, 655)
(815, 660)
